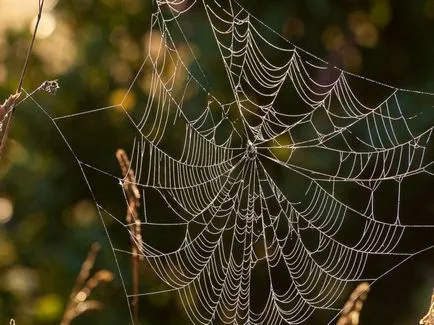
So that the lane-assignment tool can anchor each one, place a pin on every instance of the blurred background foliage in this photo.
(94, 47)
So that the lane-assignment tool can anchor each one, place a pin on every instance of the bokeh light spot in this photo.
(8, 252)
(365, 32)
(47, 25)
(6, 210)
(20, 280)
(122, 96)
(48, 307)
(281, 147)
(84, 213)
(333, 38)
(381, 13)
(293, 28)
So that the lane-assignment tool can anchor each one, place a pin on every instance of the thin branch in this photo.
(8, 107)
(29, 51)
(5, 116)
(133, 195)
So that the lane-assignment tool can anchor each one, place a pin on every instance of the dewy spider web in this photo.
(256, 182)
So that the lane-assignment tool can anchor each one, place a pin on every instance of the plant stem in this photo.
(29, 51)
(133, 196)
(7, 109)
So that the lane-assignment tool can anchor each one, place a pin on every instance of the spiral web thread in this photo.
(258, 188)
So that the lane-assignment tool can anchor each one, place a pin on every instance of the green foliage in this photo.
(94, 50)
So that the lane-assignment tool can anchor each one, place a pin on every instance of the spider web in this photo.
(268, 186)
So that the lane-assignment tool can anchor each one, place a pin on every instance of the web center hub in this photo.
(251, 151)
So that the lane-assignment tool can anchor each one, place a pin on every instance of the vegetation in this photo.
(47, 216)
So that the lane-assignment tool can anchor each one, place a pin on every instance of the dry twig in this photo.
(132, 218)
(428, 319)
(78, 303)
(351, 311)
(5, 115)
(8, 107)
(29, 51)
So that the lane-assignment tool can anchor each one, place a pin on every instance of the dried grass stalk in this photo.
(351, 312)
(78, 303)
(8, 107)
(6, 110)
(428, 319)
(132, 219)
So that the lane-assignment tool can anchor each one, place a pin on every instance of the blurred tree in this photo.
(47, 215)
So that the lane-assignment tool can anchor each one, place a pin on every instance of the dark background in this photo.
(94, 50)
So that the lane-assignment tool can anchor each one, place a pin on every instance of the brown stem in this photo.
(86, 267)
(135, 299)
(84, 285)
(8, 110)
(29, 51)
(351, 312)
(133, 196)
(5, 116)
(428, 319)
